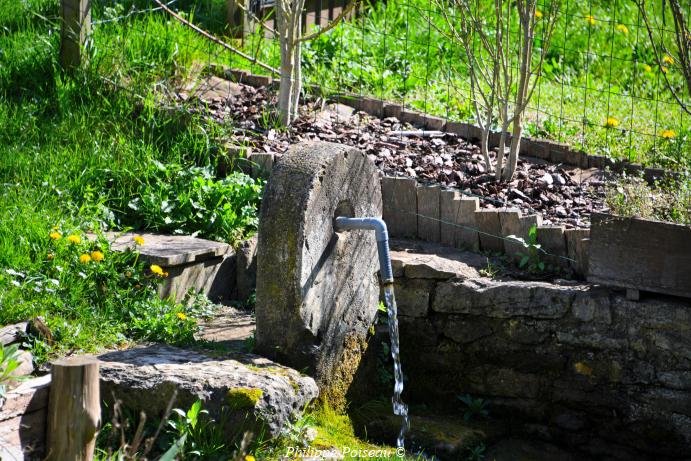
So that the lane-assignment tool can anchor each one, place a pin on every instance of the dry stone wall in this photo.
(567, 362)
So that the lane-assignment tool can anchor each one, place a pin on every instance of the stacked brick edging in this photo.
(434, 214)
(544, 149)
(550, 151)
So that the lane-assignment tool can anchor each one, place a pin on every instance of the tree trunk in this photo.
(522, 93)
(297, 76)
(74, 409)
(484, 142)
(515, 147)
(500, 152)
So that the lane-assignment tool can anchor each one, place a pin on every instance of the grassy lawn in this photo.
(599, 66)
(80, 155)
(109, 148)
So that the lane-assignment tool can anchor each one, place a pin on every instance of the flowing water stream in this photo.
(399, 408)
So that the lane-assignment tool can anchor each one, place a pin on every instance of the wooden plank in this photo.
(640, 254)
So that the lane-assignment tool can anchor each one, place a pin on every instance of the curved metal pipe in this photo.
(382, 235)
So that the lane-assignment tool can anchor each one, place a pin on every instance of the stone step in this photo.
(245, 391)
(204, 266)
(229, 328)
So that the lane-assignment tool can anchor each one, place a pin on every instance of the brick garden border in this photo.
(436, 214)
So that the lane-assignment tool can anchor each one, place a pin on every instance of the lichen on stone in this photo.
(242, 398)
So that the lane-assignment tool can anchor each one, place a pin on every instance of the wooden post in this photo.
(75, 27)
(74, 409)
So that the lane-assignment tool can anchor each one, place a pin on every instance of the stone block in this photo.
(200, 265)
(577, 249)
(258, 80)
(489, 230)
(449, 209)
(442, 266)
(494, 139)
(392, 110)
(412, 117)
(653, 174)
(245, 389)
(399, 196)
(433, 123)
(213, 277)
(412, 297)
(428, 225)
(460, 129)
(640, 254)
(512, 223)
(246, 269)
(474, 133)
(553, 242)
(372, 106)
(534, 148)
(467, 236)
(262, 164)
(560, 153)
(23, 416)
(597, 161)
(500, 299)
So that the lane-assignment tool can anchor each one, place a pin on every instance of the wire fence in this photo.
(600, 89)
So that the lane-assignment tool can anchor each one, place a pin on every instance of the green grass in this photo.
(101, 150)
(593, 72)
(109, 147)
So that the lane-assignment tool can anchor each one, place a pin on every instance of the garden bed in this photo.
(562, 193)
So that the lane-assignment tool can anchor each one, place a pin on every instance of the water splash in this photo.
(399, 408)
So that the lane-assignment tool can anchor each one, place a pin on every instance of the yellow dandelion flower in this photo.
(611, 122)
(583, 368)
(85, 258)
(664, 69)
(249, 458)
(51, 256)
(157, 270)
(668, 59)
(590, 19)
(668, 134)
(138, 239)
(74, 239)
(538, 14)
(97, 256)
(182, 316)
(55, 235)
(623, 29)
(647, 68)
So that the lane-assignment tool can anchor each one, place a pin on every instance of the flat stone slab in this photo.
(430, 261)
(169, 250)
(246, 391)
(229, 327)
(23, 420)
(211, 88)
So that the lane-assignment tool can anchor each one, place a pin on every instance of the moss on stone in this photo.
(333, 390)
(243, 398)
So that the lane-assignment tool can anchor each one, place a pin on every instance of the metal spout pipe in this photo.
(379, 227)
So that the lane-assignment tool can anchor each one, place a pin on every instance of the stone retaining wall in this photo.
(568, 362)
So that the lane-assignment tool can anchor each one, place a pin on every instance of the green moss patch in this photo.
(243, 398)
